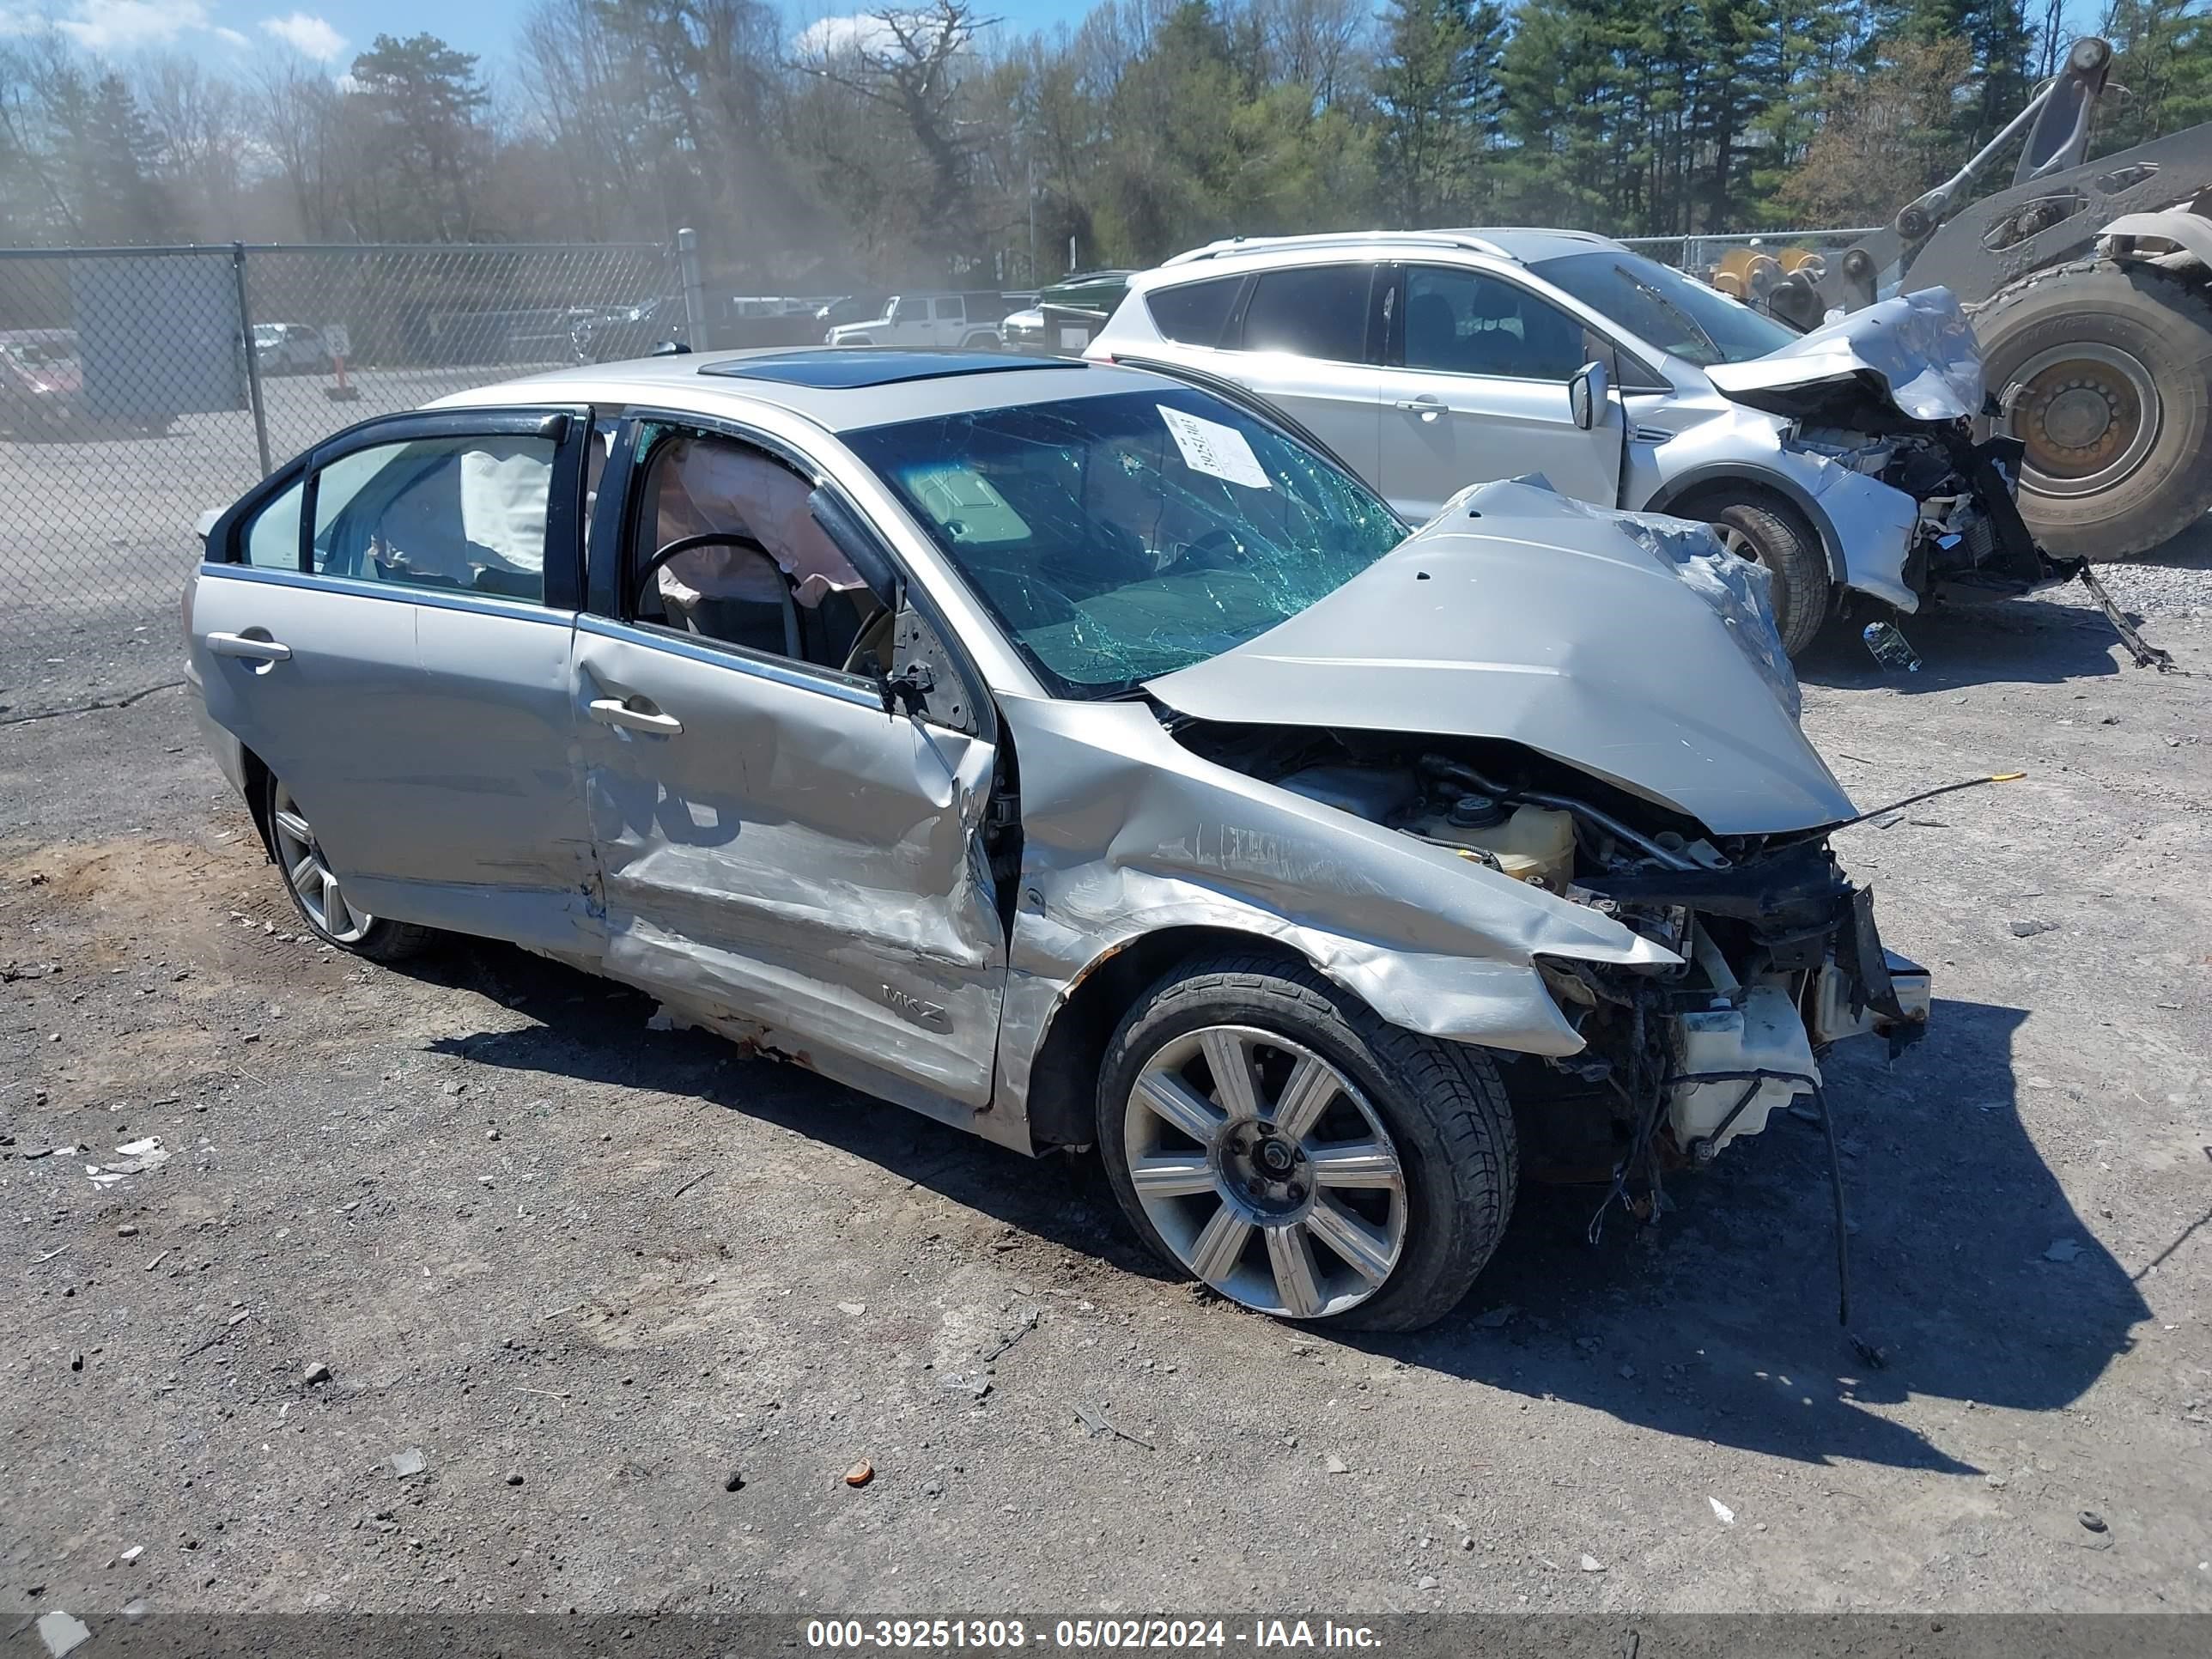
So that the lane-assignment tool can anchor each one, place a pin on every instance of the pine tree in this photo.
(1438, 93)
(2163, 56)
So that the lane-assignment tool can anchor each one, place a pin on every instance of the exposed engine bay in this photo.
(1777, 954)
(1970, 540)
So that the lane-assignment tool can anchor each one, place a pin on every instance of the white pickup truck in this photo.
(968, 318)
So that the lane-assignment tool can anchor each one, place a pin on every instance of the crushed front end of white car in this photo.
(1877, 411)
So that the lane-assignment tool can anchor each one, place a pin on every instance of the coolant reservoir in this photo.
(1530, 843)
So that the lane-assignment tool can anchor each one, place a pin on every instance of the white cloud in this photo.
(311, 36)
(121, 25)
(833, 36)
(232, 38)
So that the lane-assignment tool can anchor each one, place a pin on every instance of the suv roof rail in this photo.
(1229, 244)
(1472, 239)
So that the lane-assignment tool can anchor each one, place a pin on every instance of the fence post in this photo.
(695, 298)
(253, 358)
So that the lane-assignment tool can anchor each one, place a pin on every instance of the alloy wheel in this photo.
(1265, 1171)
(313, 883)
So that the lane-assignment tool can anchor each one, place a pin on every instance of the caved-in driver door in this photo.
(781, 856)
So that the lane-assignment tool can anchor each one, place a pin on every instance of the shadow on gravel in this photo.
(1963, 646)
(1719, 1324)
(1968, 1267)
(592, 1030)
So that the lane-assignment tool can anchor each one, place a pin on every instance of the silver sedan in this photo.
(1077, 755)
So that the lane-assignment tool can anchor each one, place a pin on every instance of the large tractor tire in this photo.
(2105, 370)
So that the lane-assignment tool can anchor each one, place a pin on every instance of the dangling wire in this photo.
(1927, 795)
(1866, 1351)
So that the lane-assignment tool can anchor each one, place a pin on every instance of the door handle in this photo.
(244, 644)
(613, 711)
(1427, 406)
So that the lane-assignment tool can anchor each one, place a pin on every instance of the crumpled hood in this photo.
(1614, 642)
(1914, 355)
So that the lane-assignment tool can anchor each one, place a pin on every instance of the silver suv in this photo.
(1429, 362)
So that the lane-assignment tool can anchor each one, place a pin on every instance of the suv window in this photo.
(1319, 311)
(1195, 313)
(949, 310)
(780, 586)
(1462, 322)
(444, 513)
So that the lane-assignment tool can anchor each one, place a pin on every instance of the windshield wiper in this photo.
(1668, 305)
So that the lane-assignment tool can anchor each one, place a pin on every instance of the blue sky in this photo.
(331, 31)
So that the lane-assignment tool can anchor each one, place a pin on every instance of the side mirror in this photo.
(1586, 395)
(861, 549)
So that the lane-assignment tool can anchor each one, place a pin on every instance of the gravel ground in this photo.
(636, 1306)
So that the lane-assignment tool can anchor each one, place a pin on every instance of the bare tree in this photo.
(199, 121)
(912, 65)
(292, 108)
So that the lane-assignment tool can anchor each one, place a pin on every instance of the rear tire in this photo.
(1774, 537)
(2105, 370)
(316, 894)
(1359, 1176)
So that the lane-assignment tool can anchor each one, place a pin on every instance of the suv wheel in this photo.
(319, 898)
(1269, 1134)
(1769, 535)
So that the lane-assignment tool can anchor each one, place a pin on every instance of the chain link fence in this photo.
(140, 387)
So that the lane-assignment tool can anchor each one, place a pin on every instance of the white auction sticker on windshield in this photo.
(1218, 451)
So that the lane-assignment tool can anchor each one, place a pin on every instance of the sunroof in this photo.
(861, 365)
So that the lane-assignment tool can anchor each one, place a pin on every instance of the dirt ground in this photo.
(635, 1305)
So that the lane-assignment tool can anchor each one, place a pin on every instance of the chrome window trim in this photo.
(488, 604)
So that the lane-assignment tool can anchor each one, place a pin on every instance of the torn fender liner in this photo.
(1506, 618)
(1914, 355)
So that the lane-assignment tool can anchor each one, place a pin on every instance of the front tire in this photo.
(316, 895)
(1785, 546)
(1268, 1134)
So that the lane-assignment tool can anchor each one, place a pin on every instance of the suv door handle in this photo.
(1428, 406)
(613, 711)
(241, 645)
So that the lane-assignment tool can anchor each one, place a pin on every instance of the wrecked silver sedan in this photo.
(1076, 756)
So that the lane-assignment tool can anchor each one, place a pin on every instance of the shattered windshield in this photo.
(1120, 537)
(1657, 303)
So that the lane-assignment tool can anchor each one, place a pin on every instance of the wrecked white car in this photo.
(1075, 757)
(1842, 460)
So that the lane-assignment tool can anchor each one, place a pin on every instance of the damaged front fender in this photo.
(1127, 834)
(1866, 526)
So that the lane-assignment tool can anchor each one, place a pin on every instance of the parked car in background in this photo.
(41, 381)
(970, 318)
(864, 307)
(1839, 459)
(1346, 874)
(290, 349)
(1067, 314)
(765, 319)
(610, 333)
